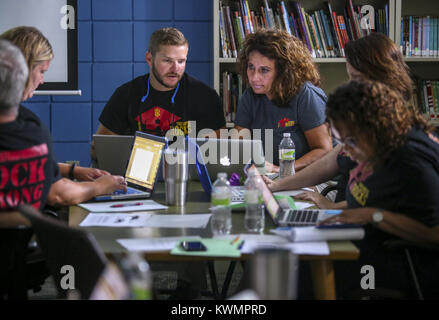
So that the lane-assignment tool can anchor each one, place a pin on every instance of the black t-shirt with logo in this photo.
(27, 166)
(407, 183)
(133, 107)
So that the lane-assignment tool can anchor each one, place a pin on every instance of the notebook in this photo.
(204, 171)
(283, 216)
(113, 152)
(143, 166)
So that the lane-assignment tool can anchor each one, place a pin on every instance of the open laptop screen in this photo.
(144, 161)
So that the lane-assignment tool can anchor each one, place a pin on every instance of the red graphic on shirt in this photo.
(157, 117)
(360, 173)
(22, 176)
(285, 122)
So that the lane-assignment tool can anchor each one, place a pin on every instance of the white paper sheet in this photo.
(303, 205)
(116, 220)
(125, 206)
(152, 244)
(179, 221)
(292, 193)
(306, 234)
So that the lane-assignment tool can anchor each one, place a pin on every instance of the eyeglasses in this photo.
(348, 141)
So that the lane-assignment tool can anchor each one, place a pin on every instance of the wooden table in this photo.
(198, 202)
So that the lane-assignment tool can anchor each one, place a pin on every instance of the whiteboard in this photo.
(46, 16)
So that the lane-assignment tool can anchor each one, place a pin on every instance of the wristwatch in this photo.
(377, 217)
(71, 171)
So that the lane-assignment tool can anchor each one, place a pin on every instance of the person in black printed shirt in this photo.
(393, 190)
(167, 98)
(28, 172)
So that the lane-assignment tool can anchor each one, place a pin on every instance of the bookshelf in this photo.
(332, 70)
(425, 65)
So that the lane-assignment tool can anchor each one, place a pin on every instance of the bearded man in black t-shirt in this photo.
(167, 98)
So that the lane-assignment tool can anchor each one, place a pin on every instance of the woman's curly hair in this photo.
(378, 58)
(294, 65)
(373, 111)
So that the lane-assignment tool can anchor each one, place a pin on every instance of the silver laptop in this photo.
(228, 155)
(113, 152)
(282, 215)
(142, 170)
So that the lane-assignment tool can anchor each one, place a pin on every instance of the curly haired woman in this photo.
(393, 190)
(283, 94)
(373, 57)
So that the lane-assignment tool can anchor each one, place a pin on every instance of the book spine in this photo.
(348, 25)
(264, 18)
(251, 22)
(337, 32)
(294, 28)
(410, 36)
(313, 33)
(285, 17)
(342, 29)
(229, 28)
(321, 34)
(308, 34)
(328, 34)
(245, 21)
(227, 44)
(351, 13)
(303, 26)
(237, 30)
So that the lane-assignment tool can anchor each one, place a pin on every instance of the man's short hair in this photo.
(166, 37)
(13, 76)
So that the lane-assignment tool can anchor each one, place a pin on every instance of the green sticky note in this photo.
(215, 248)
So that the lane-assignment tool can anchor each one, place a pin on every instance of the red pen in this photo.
(121, 205)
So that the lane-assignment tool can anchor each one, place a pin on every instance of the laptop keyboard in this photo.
(301, 217)
(237, 194)
(129, 191)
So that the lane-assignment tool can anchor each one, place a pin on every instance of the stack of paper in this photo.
(305, 234)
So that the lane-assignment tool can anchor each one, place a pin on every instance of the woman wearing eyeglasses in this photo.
(373, 57)
(393, 191)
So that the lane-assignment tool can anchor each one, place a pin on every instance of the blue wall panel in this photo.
(112, 41)
(71, 122)
(42, 110)
(192, 10)
(107, 77)
(112, 9)
(69, 151)
(153, 10)
(113, 38)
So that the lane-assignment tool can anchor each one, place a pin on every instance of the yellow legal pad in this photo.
(215, 248)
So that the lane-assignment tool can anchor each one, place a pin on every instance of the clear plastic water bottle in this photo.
(254, 219)
(287, 156)
(221, 220)
(139, 276)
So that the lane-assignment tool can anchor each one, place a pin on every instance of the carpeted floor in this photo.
(163, 281)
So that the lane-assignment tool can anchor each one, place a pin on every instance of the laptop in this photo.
(113, 152)
(227, 155)
(142, 170)
(207, 173)
(283, 216)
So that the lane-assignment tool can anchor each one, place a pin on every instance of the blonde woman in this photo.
(38, 54)
(284, 95)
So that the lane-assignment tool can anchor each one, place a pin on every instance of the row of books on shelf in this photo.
(427, 98)
(232, 88)
(420, 36)
(325, 32)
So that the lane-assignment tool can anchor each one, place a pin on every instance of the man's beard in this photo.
(160, 79)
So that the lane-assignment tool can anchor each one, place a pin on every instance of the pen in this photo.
(234, 240)
(121, 205)
(240, 246)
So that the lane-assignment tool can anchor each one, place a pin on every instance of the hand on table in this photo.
(352, 216)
